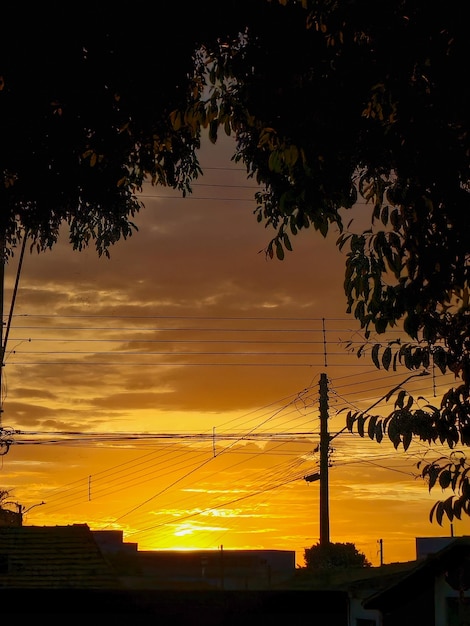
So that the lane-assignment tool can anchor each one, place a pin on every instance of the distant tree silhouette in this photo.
(7, 516)
(334, 556)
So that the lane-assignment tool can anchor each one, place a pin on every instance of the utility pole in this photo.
(324, 462)
(322, 475)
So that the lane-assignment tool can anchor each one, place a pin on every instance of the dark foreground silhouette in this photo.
(178, 608)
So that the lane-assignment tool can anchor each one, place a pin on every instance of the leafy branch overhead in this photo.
(415, 419)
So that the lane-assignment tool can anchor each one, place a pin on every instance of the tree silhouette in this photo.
(334, 556)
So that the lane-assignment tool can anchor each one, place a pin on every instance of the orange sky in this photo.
(190, 335)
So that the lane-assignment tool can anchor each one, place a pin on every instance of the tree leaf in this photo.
(440, 358)
(458, 509)
(360, 425)
(399, 402)
(448, 508)
(387, 357)
(287, 242)
(375, 355)
(350, 419)
(371, 426)
(379, 434)
(407, 439)
(433, 511)
(445, 479)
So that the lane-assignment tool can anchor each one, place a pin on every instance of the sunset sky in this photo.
(171, 391)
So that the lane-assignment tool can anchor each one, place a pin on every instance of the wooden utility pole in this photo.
(324, 463)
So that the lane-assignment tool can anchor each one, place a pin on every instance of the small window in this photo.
(3, 563)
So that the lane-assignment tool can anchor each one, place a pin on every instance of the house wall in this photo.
(357, 611)
(443, 591)
(228, 569)
(430, 545)
(111, 541)
(419, 609)
(218, 569)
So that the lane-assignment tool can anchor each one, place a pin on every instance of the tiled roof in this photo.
(53, 557)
